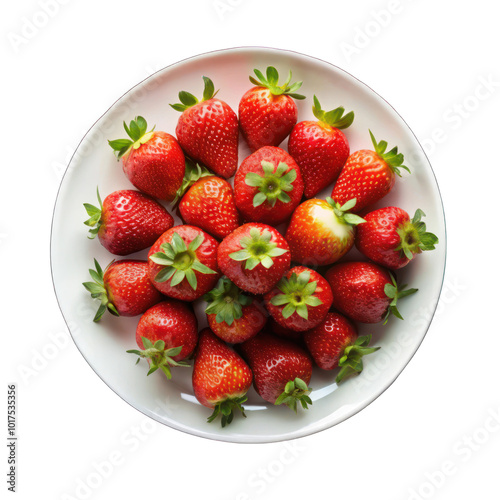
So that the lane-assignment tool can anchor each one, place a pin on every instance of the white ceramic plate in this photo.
(104, 344)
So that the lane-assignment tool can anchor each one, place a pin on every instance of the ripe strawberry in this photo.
(167, 333)
(183, 263)
(335, 343)
(268, 186)
(127, 221)
(152, 161)
(254, 257)
(233, 316)
(208, 202)
(220, 377)
(321, 232)
(268, 112)
(300, 300)
(390, 238)
(365, 291)
(281, 369)
(320, 148)
(123, 288)
(208, 130)
(368, 175)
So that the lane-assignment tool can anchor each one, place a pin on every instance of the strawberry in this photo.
(254, 257)
(320, 148)
(268, 186)
(300, 300)
(208, 130)
(335, 343)
(233, 316)
(390, 238)
(267, 112)
(123, 288)
(127, 221)
(368, 175)
(208, 203)
(281, 369)
(365, 292)
(167, 333)
(183, 263)
(321, 232)
(153, 161)
(220, 377)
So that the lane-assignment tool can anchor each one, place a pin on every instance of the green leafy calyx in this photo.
(226, 410)
(414, 237)
(270, 81)
(159, 356)
(180, 261)
(394, 292)
(295, 391)
(137, 131)
(98, 290)
(334, 118)
(189, 100)
(257, 248)
(272, 185)
(392, 158)
(342, 212)
(351, 361)
(298, 295)
(192, 175)
(226, 301)
(95, 213)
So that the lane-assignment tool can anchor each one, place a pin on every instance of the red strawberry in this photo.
(365, 291)
(390, 238)
(208, 203)
(152, 161)
(368, 175)
(335, 343)
(233, 316)
(183, 263)
(321, 232)
(320, 148)
(123, 288)
(268, 186)
(127, 221)
(281, 369)
(220, 377)
(268, 112)
(208, 130)
(166, 334)
(254, 257)
(300, 300)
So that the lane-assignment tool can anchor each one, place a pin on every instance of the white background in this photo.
(435, 433)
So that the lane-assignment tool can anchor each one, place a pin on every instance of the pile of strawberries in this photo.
(276, 301)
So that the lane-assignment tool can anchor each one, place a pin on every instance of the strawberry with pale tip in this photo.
(320, 147)
(208, 130)
(166, 335)
(153, 161)
(321, 231)
(221, 378)
(183, 263)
